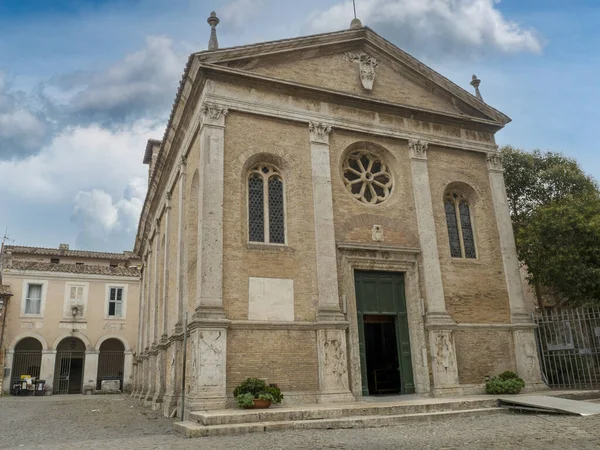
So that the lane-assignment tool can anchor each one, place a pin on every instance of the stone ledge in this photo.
(303, 326)
(192, 429)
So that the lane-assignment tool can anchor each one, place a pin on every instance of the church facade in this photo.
(330, 215)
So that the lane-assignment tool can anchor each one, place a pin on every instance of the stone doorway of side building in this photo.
(68, 371)
(386, 365)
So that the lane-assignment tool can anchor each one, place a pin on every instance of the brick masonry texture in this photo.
(483, 352)
(285, 357)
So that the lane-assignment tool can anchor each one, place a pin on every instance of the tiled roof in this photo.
(75, 268)
(17, 249)
(5, 290)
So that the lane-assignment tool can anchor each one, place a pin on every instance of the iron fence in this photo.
(569, 347)
(110, 367)
(25, 362)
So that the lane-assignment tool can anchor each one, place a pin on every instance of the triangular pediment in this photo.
(359, 63)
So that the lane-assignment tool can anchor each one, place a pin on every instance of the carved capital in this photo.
(213, 114)
(494, 162)
(182, 164)
(418, 149)
(367, 66)
(168, 200)
(319, 132)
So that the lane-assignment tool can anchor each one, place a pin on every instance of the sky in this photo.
(85, 83)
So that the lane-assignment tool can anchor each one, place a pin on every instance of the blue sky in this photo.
(84, 84)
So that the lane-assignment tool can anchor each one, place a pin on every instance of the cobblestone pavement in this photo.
(118, 422)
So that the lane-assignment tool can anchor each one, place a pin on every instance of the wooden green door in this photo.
(382, 293)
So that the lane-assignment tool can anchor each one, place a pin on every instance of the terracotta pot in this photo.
(261, 404)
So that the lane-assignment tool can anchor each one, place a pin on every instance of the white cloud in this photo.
(240, 12)
(435, 27)
(23, 129)
(142, 84)
(80, 158)
(102, 221)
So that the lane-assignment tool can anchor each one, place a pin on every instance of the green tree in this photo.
(561, 248)
(552, 201)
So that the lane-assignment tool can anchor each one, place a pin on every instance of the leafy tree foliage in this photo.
(555, 208)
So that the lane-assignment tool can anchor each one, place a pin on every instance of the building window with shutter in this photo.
(76, 301)
(460, 225)
(266, 205)
(115, 302)
(33, 300)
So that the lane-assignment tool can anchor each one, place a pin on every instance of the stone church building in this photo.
(331, 215)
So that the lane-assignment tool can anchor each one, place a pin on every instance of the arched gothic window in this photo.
(266, 215)
(460, 227)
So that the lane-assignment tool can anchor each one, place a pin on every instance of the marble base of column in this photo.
(207, 368)
(444, 366)
(333, 367)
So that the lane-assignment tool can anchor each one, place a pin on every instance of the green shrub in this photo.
(244, 400)
(275, 392)
(265, 396)
(252, 386)
(506, 383)
(255, 388)
(508, 375)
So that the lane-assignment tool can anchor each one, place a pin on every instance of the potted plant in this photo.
(254, 393)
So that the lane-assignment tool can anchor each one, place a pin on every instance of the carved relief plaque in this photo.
(367, 66)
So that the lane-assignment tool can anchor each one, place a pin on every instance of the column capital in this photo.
(213, 114)
(168, 200)
(319, 132)
(182, 165)
(494, 162)
(418, 149)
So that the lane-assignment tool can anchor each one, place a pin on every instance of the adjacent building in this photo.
(331, 215)
(72, 318)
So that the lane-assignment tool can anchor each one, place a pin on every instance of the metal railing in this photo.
(569, 347)
(110, 367)
(25, 362)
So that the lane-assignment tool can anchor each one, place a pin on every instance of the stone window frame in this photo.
(458, 193)
(385, 259)
(383, 154)
(25, 292)
(273, 171)
(84, 301)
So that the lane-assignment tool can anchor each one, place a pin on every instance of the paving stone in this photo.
(118, 422)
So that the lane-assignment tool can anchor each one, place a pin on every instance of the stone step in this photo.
(195, 429)
(277, 414)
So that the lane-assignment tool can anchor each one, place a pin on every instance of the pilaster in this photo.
(209, 301)
(155, 284)
(90, 371)
(181, 272)
(329, 303)
(8, 364)
(438, 323)
(208, 329)
(129, 374)
(527, 360)
(47, 369)
(331, 343)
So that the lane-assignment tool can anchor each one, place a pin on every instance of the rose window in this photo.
(367, 177)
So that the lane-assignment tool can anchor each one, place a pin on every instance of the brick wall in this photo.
(483, 352)
(475, 290)
(285, 357)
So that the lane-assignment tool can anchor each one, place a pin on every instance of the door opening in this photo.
(384, 341)
(382, 355)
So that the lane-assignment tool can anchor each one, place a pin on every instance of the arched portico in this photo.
(125, 342)
(76, 334)
(26, 335)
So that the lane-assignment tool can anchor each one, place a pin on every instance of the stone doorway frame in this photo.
(385, 259)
